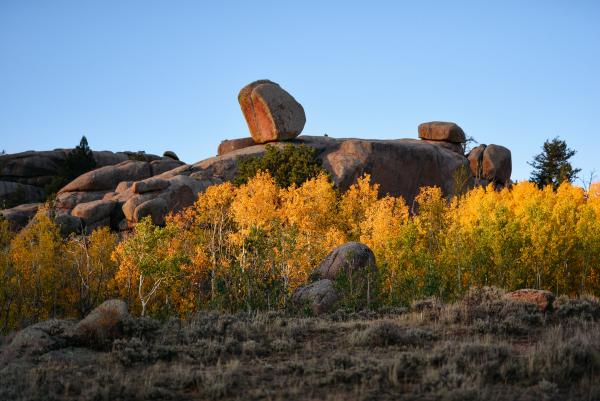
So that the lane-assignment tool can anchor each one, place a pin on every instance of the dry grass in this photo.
(480, 348)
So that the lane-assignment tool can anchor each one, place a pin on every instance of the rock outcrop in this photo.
(14, 193)
(24, 175)
(491, 164)
(97, 197)
(121, 194)
(272, 113)
(19, 216)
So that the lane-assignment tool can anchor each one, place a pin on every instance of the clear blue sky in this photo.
(158, 75)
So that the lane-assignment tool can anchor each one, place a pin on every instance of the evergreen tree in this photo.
(79, 160)
(552, 166)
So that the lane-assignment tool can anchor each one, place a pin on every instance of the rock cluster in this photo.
(122, 191)
(351, 260)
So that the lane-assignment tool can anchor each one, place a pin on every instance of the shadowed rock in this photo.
(103, 323)
(319, 296)
(497, 163)
(19, 216)
(349, 258)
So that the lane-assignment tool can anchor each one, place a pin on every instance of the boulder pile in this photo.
(122, 191)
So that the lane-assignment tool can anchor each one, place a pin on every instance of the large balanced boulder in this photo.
(319, 296)
(442, 131)
(541, 298)
(272, 113)
(349, 258)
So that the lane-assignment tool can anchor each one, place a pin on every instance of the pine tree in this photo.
(79, 160)
(552, 166)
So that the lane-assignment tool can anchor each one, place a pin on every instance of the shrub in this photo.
(290, 165)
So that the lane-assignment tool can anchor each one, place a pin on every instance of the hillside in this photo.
(481, 348)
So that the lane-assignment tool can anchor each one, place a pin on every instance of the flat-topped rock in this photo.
(442, 131)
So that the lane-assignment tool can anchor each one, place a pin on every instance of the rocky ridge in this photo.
(122, 191)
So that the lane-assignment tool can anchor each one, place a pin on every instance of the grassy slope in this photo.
(480, 348)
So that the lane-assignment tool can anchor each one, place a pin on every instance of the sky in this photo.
(164, 75)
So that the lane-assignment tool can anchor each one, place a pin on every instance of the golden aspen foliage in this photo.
(36, 254)
(8, 280)
(354, 204)
(310, 214)
(91, 267)
(256, 203)
(145, 264)
(384, 229)
(250, 247)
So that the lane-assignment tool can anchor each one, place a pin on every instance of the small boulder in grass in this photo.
(541, 298)
(347, 258)
(319, 296)
(103, 323)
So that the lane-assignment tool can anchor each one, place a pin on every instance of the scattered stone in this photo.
(348, 258)
(541, 298)
(229, 145)
(320, 296)
(272, 113)
(442, 131)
